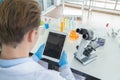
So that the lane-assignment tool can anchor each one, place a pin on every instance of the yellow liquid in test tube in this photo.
(62, 24)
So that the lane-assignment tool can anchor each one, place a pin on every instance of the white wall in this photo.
(58, 2)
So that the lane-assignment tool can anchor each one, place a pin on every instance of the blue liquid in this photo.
(46, 26)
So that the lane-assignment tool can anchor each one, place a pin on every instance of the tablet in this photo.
(54, 46)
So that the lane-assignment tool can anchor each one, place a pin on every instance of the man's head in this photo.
(18, 18)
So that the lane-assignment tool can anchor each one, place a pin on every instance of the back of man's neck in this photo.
(11, 53)
(11, 57)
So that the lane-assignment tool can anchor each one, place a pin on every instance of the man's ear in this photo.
(32, 35)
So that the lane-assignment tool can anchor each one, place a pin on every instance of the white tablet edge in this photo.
(51, 58)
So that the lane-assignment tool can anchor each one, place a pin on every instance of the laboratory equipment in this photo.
(47, 21)
(73, 35)
(111, 32)
(62, 24)
(114, 33)
(87, 46)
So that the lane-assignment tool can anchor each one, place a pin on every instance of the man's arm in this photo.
(65, 70)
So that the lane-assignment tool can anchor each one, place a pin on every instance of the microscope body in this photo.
(85, 53)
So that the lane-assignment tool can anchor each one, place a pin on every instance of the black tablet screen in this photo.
(54, 45)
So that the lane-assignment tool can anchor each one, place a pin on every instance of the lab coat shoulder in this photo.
(29, 71)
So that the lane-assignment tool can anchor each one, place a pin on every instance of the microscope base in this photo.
(86, 60)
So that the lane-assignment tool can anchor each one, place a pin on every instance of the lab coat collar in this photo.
(9, 63)
(23, 68)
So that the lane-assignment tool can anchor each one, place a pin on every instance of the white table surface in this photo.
(107, 64)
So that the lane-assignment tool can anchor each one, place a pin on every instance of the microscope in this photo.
(87, 46)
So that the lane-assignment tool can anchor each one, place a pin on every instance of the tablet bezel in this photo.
(51, 58)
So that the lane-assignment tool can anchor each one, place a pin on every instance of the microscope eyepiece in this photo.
(81, 31)
(77, 30)
(87, 34)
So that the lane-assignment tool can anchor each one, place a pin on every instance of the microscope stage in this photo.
(86, 60)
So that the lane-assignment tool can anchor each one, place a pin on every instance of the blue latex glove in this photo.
(40, 51)
(63, 59)
(1, 1)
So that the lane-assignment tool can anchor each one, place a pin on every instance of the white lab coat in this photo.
(30, 71)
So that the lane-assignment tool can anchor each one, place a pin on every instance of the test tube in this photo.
(46, 23)
(62, 25)
(67, 23)
(70, 23)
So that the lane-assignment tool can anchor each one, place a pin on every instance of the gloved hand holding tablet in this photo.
(54, 46)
